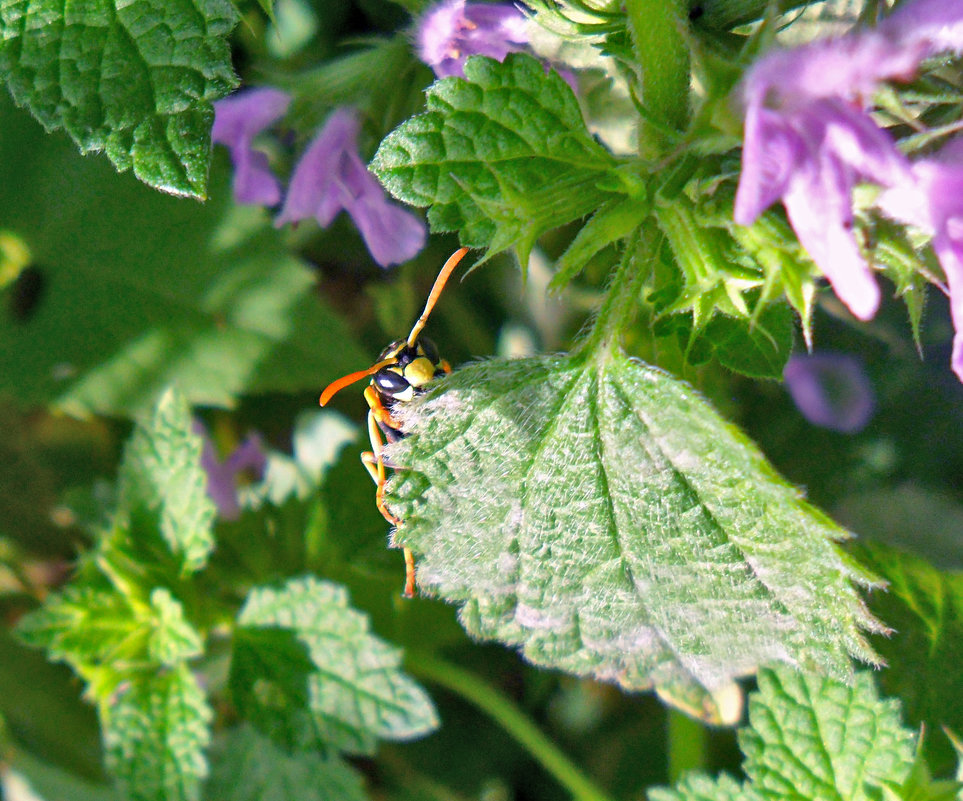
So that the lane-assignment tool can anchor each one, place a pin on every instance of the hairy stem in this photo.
(656, 27)
(622, 299)
(509, 717)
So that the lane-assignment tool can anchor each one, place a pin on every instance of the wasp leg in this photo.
(379, 410)
(374, 461)
(445, 366)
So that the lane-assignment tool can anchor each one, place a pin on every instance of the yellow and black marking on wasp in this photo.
(401, 373)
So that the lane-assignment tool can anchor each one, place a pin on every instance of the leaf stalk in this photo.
(621, 302)
(506, 714)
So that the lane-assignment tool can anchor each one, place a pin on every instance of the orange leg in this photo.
(378, 409)
(373, 460)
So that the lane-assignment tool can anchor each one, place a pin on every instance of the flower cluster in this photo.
(809, 139)
(330, 177)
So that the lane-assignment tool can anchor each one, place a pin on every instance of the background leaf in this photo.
(356, 692)
(163, 490)
(603, 518)
(811, 737)
(925, 608)
(501, 156)
(249, 767)
(135, 79)
(755, 348)
(124, 632)
(143, 291)
(155, 733)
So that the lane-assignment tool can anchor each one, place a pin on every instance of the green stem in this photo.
(688, 743)
(621, 302)
(660, 46)
(509, 717)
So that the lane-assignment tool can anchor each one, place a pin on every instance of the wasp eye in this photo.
(430, 350)
(391, 383)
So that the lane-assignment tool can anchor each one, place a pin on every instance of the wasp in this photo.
(400, 374)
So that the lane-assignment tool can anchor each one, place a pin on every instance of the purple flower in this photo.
(222, 476)
(331, 176)
(453, 30)
(831, 390)
(933, 200)
(927, 27)
(237, 120)
(809, 140)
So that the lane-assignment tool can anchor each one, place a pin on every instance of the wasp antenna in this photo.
(439, 285)
(336, 386)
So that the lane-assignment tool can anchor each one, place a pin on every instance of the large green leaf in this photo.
(813, 738)
(599, 515)
(925, 652)
(250, 767)
(141, 291)
(320, 676)
(501, 156)
(135, 79)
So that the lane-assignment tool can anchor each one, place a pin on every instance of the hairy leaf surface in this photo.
(603, 518)
(140, 291)
(812, 738)
(342, 688)
(501, 156)
(134, 79)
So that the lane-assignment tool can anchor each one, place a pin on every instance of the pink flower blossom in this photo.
(331, 177)
(933, 201)
(453, 30)
(238, 119)
(809, 138)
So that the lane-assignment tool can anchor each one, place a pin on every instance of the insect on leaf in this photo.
(600, 516)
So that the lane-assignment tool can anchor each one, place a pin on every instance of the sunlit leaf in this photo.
(308, 669)
(501, 156)
(134, 79)
(600, 516)
(812, 738)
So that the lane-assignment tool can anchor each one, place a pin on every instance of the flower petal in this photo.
(392, 234)
(237, 121)
(312, 191)
(453, 30)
